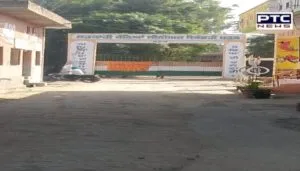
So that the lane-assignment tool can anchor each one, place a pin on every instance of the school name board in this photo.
(158, 38)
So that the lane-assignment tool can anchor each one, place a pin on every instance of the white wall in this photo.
(36, 70)
(7, 71)
(23, 41)
(184, 68)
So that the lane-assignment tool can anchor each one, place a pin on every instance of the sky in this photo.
(244, 5)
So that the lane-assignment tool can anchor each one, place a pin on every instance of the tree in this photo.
(139, 16)
(262, 46)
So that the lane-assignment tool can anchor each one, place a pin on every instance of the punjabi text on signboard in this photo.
(233, 56)
(233, 59)
(157, 38)
(82, 56)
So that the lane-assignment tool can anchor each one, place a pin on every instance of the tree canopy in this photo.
(137, 16)
(262, 46)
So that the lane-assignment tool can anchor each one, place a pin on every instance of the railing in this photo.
(296, 9)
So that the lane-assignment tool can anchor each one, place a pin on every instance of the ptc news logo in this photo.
(274, 21)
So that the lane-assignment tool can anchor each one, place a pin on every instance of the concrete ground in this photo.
(146, 125)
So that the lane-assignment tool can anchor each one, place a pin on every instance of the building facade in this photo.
(22, 41)
(287, 74)
(290, 6)
(286, 71)
(247, 20)
(285, 5)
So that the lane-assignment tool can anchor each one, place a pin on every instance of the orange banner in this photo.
(128, 66)
(287, 57)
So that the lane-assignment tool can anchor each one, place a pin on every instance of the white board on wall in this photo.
(234, 58)
(82, 55)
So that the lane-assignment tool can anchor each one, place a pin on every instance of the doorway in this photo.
(26, 67)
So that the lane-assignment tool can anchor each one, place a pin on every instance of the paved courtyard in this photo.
(147, 125)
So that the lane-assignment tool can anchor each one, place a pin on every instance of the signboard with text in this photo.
(82, 47)
(233, 59)
(158, 38)
(82, 55)
(287, 67)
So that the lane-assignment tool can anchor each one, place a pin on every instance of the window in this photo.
(287, 5)
(28, 30)
(15, 56)
(1, 55)
(280, 7)
(33, 30)
(37, 58)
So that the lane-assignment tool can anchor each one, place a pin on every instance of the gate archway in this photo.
(83, 46)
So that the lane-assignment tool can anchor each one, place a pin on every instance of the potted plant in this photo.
(250, 88)
(262, 93)
(253, 90)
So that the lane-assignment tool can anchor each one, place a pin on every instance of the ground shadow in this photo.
(291, 123)
(100, 130)
(121, 130)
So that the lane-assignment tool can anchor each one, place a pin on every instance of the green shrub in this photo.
(254, 85)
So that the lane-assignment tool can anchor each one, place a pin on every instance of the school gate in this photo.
(82, 48)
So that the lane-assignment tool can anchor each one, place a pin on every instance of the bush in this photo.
(254, 85)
